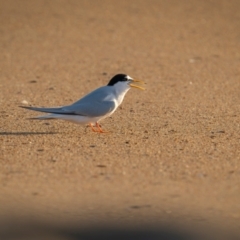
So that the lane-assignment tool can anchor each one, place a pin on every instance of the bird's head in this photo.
(125, 81)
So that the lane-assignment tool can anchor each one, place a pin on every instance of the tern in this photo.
(95, 106)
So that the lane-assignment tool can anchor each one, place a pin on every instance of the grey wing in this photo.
(91, 109)
(93, 104)
(57, 110)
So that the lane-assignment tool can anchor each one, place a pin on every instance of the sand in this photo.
(171, 162)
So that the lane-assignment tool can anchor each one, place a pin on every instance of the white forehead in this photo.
(128, 77)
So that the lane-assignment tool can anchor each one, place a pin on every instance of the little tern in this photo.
(95, 106)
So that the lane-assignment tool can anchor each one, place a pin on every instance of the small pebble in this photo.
(24, 102)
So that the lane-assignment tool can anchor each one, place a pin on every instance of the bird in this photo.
(95, 106)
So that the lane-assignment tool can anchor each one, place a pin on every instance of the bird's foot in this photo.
(100, 130)
(97, 128)
(92, 127)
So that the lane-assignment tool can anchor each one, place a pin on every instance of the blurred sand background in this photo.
(172, 158)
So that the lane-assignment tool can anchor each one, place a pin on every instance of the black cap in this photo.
(118, 78)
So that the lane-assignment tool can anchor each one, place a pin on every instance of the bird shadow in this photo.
(26, 133)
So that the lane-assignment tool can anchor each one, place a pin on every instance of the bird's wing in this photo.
(57, 110)
(97, 103)
(98, 95)
(94, 104)
(90, 109)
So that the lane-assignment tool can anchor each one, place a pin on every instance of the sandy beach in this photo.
(171, 164)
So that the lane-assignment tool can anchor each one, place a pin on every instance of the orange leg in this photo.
(100, 129)
(93, 129)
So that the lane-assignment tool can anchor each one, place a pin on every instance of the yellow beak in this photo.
(137, 86)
